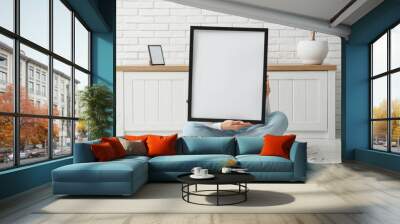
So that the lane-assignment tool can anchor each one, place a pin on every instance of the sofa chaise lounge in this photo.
(125, 176)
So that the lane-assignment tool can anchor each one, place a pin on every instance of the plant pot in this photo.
(312, 52)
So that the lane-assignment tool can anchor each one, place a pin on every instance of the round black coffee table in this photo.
(238, 179)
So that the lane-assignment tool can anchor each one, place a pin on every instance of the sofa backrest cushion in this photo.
(206, 145)
(249, 145)
(83, 152)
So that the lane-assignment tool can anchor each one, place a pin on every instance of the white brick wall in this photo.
(143, 22)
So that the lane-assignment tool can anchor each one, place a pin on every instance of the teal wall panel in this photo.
(24, 178)
(103, 52)
(380, 159)
(355, 85)
(103, 63)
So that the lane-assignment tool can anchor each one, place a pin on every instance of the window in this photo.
(6, 73)
(62, 137)
(3, 73)
(7, 14)
(44, 91)
(6, 142)
(37, 90)
(62, 31)
(37, 75)
(385, 91)
(30, 72)
(35, 21)
(395, 47)
(30, 88)
(33, 139)
(81, 81)
(3, 78)
(3, 61)
(81, 45)
(47, 76)
(62, 74)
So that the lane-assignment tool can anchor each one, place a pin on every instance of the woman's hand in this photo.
(268, 88)
(231, 125)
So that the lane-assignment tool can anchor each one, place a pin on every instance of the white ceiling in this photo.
(305, 14)
(321, 9)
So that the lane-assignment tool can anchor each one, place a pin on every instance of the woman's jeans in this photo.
(276, 123)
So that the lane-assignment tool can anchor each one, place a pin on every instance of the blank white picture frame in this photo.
(156, 55)
(227, 74)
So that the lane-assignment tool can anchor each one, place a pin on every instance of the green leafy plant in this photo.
(96, 103)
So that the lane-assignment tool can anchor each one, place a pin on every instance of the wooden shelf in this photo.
(185, 68)
(154, 68)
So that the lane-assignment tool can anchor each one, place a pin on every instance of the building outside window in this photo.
(38, 89)
(3, 77)
(3, 80)
(30, 72)
(30, 87)
(37, 74)
(385, 91)
(57, 128)
(3, 72)
(43, 90)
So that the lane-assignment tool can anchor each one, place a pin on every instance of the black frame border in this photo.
(189, 101)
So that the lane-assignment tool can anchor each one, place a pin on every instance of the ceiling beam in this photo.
(268, 15)
(347, 11)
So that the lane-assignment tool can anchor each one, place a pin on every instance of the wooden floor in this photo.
(379, 189)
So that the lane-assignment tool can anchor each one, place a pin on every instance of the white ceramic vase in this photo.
(312, 52)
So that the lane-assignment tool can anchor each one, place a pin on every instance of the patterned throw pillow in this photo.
(136, 148)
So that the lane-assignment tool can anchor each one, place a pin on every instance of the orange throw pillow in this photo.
(161, 145)
(103, 152)
(277, 145)
(136, 137)
(116, 145)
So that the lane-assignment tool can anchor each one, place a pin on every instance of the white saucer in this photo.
(208, 176)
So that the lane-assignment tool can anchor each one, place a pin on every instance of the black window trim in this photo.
(388, 74)
(16, 115)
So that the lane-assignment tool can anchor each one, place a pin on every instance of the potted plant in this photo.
(312, 52)
(96, 102)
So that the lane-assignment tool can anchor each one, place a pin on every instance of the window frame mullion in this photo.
(16, 114)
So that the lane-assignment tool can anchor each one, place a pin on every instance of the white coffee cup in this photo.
(226, 170)
(203, 172)
(196, 171)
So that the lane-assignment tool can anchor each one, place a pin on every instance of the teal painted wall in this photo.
(100, 16)
(355, 90)
(24, 178)
(103, 52)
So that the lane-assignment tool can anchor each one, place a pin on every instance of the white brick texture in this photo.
(142, 22)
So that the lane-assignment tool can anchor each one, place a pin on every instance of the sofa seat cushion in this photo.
(185, 163)
(113, 171)
(133, 158)
(257, 163)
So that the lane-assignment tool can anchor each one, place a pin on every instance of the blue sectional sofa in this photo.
(125, 176)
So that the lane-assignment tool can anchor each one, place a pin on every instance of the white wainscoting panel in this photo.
(305, 99)
(155, 102)
(302, 97)
(151, 102)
